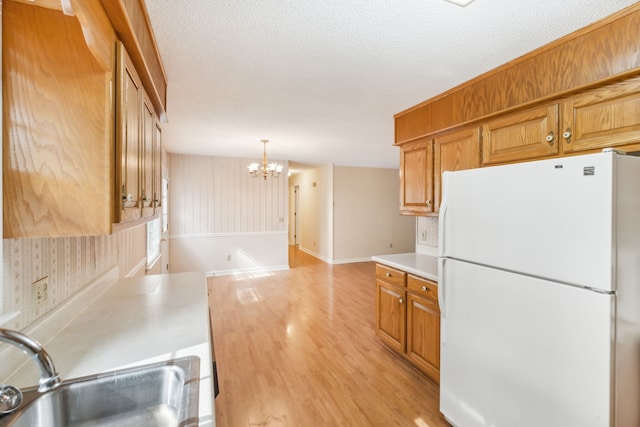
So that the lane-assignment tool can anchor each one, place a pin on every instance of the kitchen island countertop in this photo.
(415, 263)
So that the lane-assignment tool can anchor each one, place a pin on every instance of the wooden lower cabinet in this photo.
(423, 335)
(408, 318)
(392, 312)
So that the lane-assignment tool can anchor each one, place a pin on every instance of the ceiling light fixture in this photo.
(462, 3)
(268, 169)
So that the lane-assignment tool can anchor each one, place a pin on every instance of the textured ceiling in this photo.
(322, 79)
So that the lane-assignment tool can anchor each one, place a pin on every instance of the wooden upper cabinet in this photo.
(128, 138)
(606, 117)
(520, 136)
(157, 167)
(412, 124)
(146, 157)
(455, 151)
(416, 176)
(58, 122)
(131, 22)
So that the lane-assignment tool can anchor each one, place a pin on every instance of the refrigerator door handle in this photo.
(442, 299)
(444, 207)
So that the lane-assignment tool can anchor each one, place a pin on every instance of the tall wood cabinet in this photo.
(408, 318)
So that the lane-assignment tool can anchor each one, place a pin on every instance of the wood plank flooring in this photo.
(298, 348)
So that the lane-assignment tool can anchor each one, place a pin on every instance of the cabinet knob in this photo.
(388, 274)
(550, 138)
(428, 202)
(425, 289)
(401, 301)
(567, 134)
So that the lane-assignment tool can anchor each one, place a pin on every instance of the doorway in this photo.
(296, 215)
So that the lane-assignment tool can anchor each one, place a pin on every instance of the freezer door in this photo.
(551, 219)
(520, 351)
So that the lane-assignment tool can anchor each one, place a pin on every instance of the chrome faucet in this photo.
(49, 377)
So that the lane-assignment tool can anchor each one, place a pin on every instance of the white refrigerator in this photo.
(539, 288)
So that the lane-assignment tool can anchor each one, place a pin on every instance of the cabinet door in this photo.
(391, 315)
(603, 118)
(423, 335)
(57, 123)
(146, 157)
(128, 137)
(157, 167)
(455, 151)
(416, 176)
(519, 136)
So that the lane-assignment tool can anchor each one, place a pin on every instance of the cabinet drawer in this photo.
(390, 275)
(423, 287)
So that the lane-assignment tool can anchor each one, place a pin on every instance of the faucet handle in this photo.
(10, 398)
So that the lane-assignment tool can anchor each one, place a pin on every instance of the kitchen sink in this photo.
(158, 394)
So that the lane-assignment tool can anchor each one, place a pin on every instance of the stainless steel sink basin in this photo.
(159, 394)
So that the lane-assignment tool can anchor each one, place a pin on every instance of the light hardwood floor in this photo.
(298, 348)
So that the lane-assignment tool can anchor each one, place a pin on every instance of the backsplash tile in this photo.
(69, 263)
(427, 231)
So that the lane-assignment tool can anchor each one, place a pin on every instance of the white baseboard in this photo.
(247, 270)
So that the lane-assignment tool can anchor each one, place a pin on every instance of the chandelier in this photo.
(273, 169)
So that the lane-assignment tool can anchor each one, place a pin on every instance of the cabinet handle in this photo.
(567, 135)
(388, 274)
(425, 289)
(400, 300)
(550, 138)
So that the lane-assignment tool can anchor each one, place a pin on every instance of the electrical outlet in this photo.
(229, 257)
(40, 291)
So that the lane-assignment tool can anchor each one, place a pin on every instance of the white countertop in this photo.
(134, 322)
(419, 264)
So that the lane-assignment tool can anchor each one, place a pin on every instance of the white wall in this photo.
(316, 211)
(348, 214)
(367, 218)
(222, 220)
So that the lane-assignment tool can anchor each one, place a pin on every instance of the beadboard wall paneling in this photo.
(69, 263)
(222, 220)
(217, 195)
